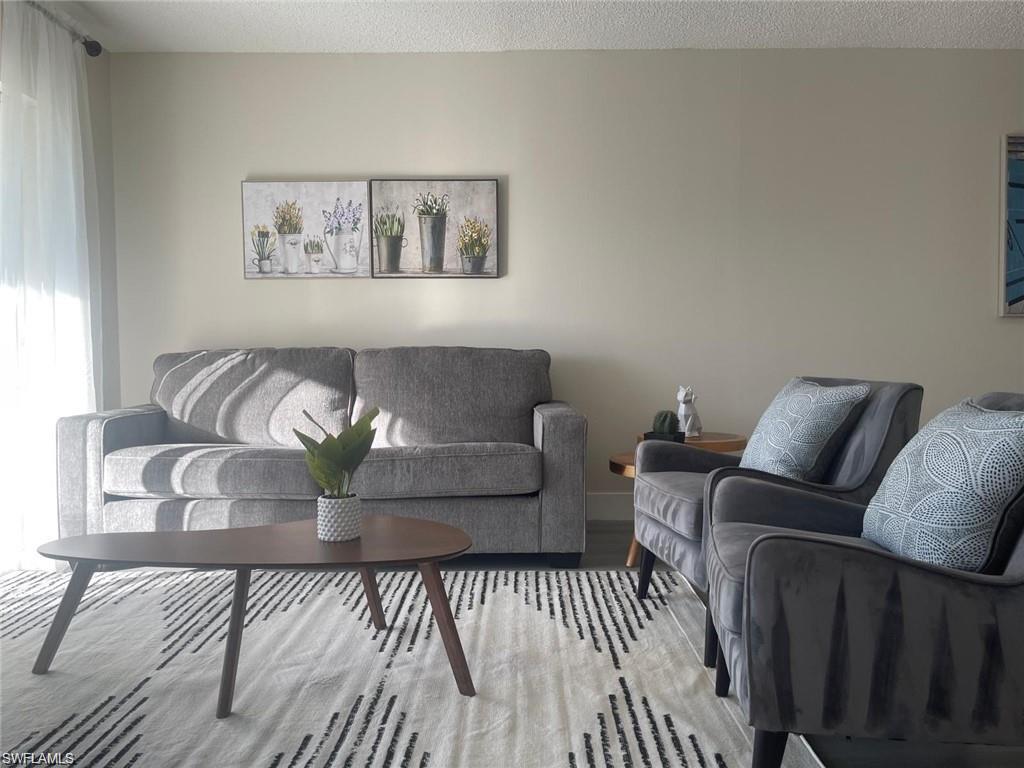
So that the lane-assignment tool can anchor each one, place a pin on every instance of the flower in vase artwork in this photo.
(291, 212)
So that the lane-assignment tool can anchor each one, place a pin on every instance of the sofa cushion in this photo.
(944, 498)
(256, 472)
(434, 395)
(674, 499)
(200, 471)
(253, 396)
(455, 469)
(803, 428)
(197, 514)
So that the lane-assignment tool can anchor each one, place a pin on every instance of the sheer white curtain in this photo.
(49, 263)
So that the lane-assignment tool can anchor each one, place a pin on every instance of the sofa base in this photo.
(496, 524)
(564, 560)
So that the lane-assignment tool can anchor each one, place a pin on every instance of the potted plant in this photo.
(263, 246)
(343, 236)
(314, 248)
(389, 231)
(433, 215)
(332, 462)
(474, 242)
(288, 223)
(665, 427)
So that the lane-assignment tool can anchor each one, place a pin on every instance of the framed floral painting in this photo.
(295, 229)
(434, 227)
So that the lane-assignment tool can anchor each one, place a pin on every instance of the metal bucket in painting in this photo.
(389, 252)
(473, 265)
(432, 230)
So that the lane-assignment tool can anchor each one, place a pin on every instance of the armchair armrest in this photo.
(82, 442)
(749, 496)
(821, 489)
(664, 456)
(560, 432)
(843, 637)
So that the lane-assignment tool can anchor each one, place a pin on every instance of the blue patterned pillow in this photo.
(799, 433)
(943, 498)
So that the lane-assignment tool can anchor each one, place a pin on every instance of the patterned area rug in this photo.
(570, 669)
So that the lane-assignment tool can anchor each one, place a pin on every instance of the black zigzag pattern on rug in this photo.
(667, 748)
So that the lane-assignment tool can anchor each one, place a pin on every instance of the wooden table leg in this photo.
(446, 625)
(373, 597)
(80, 577)
(633, 554)
(234, 642)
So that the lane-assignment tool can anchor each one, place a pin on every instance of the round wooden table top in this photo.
(717, 442)
(385, 540)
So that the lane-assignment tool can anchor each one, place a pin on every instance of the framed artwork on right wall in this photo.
(434, 227)
(1011, 261)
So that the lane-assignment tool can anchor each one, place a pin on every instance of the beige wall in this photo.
(722, 219)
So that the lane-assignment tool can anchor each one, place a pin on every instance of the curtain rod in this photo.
(92, 47)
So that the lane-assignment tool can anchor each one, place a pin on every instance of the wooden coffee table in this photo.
(387, 540)
(624, 464)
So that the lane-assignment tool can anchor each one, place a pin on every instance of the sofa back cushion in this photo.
(803, 428)
(253, 396)
(945, 500)
(433, 395)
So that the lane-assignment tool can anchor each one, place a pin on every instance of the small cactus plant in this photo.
(665, 423)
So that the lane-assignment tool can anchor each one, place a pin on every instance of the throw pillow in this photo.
(802, 429)
(943, 498)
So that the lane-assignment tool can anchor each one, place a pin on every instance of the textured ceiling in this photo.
(338, 27)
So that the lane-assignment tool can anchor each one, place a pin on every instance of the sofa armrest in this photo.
(560, 432)
(665, 456)
(82, 442)
(842, 637)
(750, 497)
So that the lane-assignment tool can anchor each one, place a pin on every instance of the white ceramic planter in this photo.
(291, 252)
(344, 249)
(339, 519)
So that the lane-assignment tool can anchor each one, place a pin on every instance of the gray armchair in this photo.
(824, 632)
(669, 491)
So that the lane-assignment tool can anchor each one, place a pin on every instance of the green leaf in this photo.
(331, 453)
(308, 442)
(333, 460)
(322, 478)
(362, 426)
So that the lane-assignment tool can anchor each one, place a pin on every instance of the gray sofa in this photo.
(466, 436)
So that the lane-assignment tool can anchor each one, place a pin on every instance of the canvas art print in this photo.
(1012, 273)
(434, 227)
(305, 229)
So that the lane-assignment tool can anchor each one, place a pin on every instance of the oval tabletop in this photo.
(385, 540)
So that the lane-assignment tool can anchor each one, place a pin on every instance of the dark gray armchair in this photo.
(669, 491)
(827, 633)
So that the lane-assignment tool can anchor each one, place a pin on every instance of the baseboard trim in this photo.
(610, 505)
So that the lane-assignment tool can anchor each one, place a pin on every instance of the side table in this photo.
(624, 464)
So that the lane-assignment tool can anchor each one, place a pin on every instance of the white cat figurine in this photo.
(689, 419)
